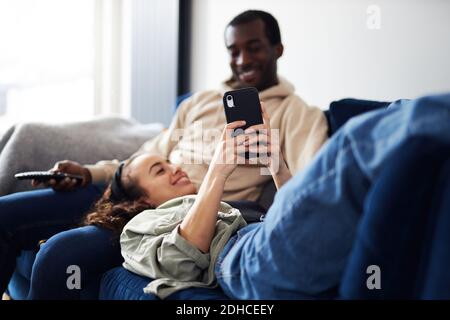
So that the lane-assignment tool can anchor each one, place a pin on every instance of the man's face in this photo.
(253, 59)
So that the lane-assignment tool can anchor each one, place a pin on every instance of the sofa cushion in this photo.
(342, 110)
(121, 284)
(18, 287)
(25, 263)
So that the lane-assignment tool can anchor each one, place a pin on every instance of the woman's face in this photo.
(161, 180)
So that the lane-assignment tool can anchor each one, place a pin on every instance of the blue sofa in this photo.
(119, 283)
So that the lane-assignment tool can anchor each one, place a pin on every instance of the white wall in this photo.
(330, 52)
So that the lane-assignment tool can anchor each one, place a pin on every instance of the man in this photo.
(254, 45)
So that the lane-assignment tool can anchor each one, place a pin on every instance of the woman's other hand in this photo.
(228, 153)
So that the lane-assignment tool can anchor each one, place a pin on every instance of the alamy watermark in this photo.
(74, 279)
(374, 280)
(373, 21)
(196, 145)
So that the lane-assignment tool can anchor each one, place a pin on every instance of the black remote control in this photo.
(43, 176)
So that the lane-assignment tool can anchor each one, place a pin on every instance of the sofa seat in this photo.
(121, 284)
(20, 282)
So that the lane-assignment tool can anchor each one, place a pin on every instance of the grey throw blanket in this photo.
(37, 146)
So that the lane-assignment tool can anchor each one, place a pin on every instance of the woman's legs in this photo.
(73, 260)
(301, 248)
(28, 217)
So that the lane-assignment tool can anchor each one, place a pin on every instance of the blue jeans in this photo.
(301, 249)
(28, 217)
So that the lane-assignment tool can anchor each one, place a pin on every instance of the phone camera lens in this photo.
(230, 102)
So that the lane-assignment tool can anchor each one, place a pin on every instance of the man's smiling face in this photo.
(253, 59)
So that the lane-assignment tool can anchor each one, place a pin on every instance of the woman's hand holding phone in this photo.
(226, 155)
(258, 144)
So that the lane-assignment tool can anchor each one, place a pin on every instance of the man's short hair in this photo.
(271, 24)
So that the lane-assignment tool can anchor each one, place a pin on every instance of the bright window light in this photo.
(46, 60)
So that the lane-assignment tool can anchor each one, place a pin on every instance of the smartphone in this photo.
(243, 104)
(43, 176)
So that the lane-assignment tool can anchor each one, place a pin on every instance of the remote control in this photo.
(43, 176)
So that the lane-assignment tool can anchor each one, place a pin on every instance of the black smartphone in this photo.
(43, 176)
(243, 104)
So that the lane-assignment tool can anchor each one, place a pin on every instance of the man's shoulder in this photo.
(293, 106)
(294, 99)
(200, 98)
(294, 102)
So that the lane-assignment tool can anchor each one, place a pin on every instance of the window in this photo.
(46, 60)
(70, 60)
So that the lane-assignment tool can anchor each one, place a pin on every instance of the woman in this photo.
(174, 234)
(177, 241)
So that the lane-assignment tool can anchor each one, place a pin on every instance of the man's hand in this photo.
(70, 167)
(261, 140)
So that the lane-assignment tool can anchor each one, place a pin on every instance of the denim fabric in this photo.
(28, 217)
(404, 228)
(301, 248)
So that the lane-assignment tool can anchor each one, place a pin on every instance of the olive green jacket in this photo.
(153, 247)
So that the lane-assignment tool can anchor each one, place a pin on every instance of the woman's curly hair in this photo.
(114, 215)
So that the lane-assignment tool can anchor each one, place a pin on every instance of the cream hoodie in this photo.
(193, 134)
